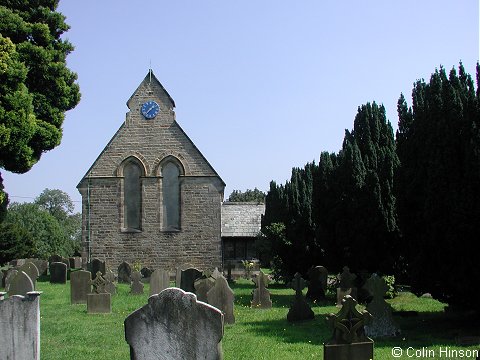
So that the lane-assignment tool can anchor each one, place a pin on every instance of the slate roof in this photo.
(241, 219)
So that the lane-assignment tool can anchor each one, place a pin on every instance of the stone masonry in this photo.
(151, 143)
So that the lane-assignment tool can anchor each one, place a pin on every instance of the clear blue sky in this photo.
(260, 86)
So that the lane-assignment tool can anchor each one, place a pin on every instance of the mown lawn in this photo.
(68, 332)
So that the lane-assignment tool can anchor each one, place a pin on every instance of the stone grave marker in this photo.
(261, 296)
(99, 301)
(110, 286)
(20, 327)
(174, 325)
(300, 310)
(21, 284)
(9, 276)
(31, 270)
(215, 274)
(58, 273)
(58, 258)
(188, 278)
(202, 286)
(80, 286)
(124, 272)
(136, 286)
(42, 265)
(17, 262)
(349, 340)
(345, 286)
(382, 323)
(317, 285)
(75, 262)
(222, 297)
(96, 266)
(178, 275)
(146, 274)
(159, 280)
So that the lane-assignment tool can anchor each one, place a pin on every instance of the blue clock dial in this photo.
(150, 109)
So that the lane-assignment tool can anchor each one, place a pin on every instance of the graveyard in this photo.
(258, 332)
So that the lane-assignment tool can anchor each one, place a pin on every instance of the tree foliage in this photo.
(438, 184)
(254, 195)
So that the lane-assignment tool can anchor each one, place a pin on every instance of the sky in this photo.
(259, 86)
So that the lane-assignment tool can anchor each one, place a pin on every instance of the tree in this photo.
(15, 243)
(438, 185)
(254, 195)
(36, 87)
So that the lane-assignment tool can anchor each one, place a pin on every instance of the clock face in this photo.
(150, 109)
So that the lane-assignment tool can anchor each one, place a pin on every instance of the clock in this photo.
(150, 109)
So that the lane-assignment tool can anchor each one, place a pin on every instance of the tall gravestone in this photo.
(188, 277)
(349, 341)
(97, 266)
(317, 285)
(124, 273)
(159, 280)
(300, 310)
(136, 286)
(80, 286)
(174, 325)
(99, 301)
(21, 284)
(261, 296)
(58, 273)
(222, 297)
(20, 313)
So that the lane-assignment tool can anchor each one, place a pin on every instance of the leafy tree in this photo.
(3, 200)
(438, 185)
(254, 195)
(15, 243)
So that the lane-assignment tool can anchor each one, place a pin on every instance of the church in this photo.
(151, 197)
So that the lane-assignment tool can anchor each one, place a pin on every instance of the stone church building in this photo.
(151, 196)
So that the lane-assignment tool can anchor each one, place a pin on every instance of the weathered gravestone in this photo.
(9, 276)
(222, 297)
(17, 262)
(58, 258)
(96, 266)
(20, 327)
(110, 286)
(215, 274)
(349, 341)
(188, 278)
(21, 284)
(300, 310)
(136, 287)
(317, 283)
(173, 325)
(124, 273)
(261, 296)
(31, 270)
(58, 273)
(382, 323)
(99, 301)
(178, 274)
(146, 274)
(80, 286)
(42, 265)
(75, 262)
(202, 286)
(159, 280)
(345, 286)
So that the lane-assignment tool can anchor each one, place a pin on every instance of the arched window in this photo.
(132, 196)
(171, 196)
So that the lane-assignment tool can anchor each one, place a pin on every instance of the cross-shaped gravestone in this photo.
(261, 296)
(100, 300)
(300, 310)
(136, 287)
(98, 284)
(222, 297)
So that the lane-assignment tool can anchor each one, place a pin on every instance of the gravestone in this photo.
(382, 323)
(317, 285)
(215, 274)
(9, 276)
(222, 297)
(146, 273)
(110, 286)
(42, 265)
(99, 301)
(17, 262)
(124, 272)
(31, 270)
(96, 266)
(58, 273)
(202, 286)
(21, 284)
(20, 327)
(345, 286)
(178, 275)
(80, 286)
(300, 310)
(58, 258)
(349, 341)
(188, 277)
(261, 296)
(174, 325)
(75, 262)
(159, 280)
(136, 287)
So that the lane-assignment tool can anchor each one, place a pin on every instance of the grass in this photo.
(68, 332)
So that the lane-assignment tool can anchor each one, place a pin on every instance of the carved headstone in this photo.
(80, 286)
(349, 340)
(382, 323)
(261, 296)
(188, 278)
(99, 302)
(124, 273)
(21, 284)
(300, 310)
(136, 287)
(202, 286)
(317, 283)
(173, 325)
(58, 273)
(110, 285)
(222, 297)
(159, 280)
(20, 327)
(96, 266)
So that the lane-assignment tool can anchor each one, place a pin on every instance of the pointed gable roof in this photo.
(149, 78)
